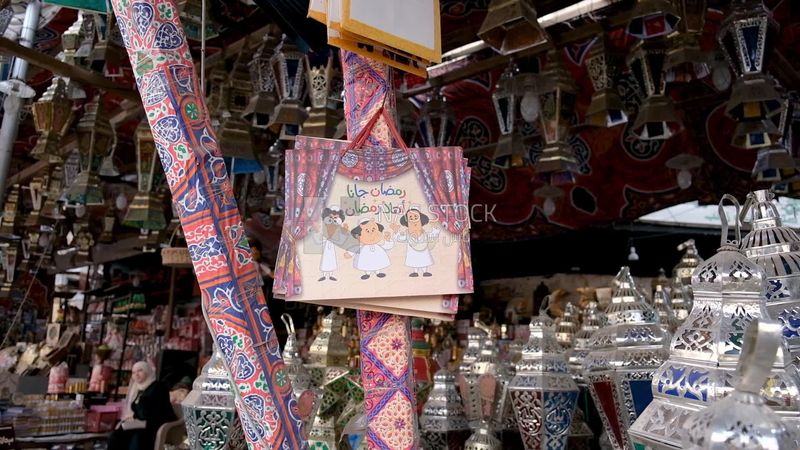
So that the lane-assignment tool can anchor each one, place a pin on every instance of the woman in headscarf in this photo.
(147, 407)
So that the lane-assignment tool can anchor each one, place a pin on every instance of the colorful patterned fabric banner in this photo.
(386, 361)
(203, 196)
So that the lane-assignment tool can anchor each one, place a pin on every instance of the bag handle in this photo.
(364, 134)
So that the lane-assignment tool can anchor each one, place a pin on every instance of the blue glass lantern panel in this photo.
(642, 393)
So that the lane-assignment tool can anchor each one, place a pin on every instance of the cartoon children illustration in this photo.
(333, 234)
(372, 258)
(420, 241)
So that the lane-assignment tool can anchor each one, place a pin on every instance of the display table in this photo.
(59, 439)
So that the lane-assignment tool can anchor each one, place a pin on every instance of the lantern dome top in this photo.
(729, 271)
(774, 247)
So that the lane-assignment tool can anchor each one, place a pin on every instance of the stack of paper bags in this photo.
(403, 34)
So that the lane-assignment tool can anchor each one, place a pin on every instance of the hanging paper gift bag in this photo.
(386, 227)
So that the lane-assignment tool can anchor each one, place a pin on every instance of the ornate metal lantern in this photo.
(661, 304)
(235, 137)
(9, 218)
(443, 423)
(476, 335)
(288, 73)
(657, 118)
(606, 108)
(653, 18)
(742, 420)
(755, 134)
(52, 116)
(681, 290)
(436, 122)
(773, 162)
(324, 115)
(624, 354)
(504, 98)
(557, 94)
(95, 136)
(306, 395)
(542, 391)
(146, 211)
(209, 410)
(262, 102)
(567, 326)
(511, 26)
(729, 292)
(685, 60)
(8, 253)
(593, 319)
(746, 36)
(483, 386)
(776, 249)
(483, 438)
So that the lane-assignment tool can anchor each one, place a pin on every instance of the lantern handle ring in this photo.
(287, 320)
(760, 346)
(724, 241)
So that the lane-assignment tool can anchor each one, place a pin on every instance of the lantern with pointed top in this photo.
(728, 294)
(661, 304)
(436, 122)
(52, 116)
(466, 379)
(505, 107)
(681, 290)
(95, 136)
(593, 319)
(776, 249)
(773, 162)
(746, 36)
(511, 26)
(288, 72)
(443, 423)
(567, 326)
(624, 354)
(324, 115)
(653, 18)
(146, 211)
(657, 118)
(542, 391)
(557, 94)
(606, 108)
(262, 102)
(306, 395)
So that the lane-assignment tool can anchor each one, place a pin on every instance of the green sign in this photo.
(87, 5)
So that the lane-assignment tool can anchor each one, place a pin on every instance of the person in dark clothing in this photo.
(147, 408)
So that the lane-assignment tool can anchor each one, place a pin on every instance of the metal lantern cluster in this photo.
(443, 424)
(624, 354)
(209, 410)
(146, 211)
(543, 392)
(776, 249)
(729, 293)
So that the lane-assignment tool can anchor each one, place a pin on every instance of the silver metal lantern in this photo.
(475, 337)
(743, 420)
(776, 249)
(305, 393)
(661, 304)
(437, 122)
(681, 289)
(593, 319)
(567, 326)
(483, 439)
(729, 293)
(624, 354)
(443, 424)
(542, 391)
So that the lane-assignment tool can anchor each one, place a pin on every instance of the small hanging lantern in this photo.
(51, 209)
(476, 335)
(52, 116)
(721, 426)
(685, 60)
(542, 391)
(755, 134)
(107, 235)
(84, 242)
(37, 190)
(307, 396)
(606, 108)
(436, 122)
(746, 36)
(653, 18)
(10, 210)
(504, 98)
(8, 252)
(288, 72)
(235, 137)
(620, 366)
(657, 118)
(209, 410)
(95, 136)
(146, 211)
(684, 163)
(774, 161)
(567, 326)
(443, 423)
(557, 95)
(511, 26)
(324, 115)
(729, 292)
(262, 102)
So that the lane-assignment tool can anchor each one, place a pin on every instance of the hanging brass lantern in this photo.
(8, 253)
(606, 108)
(94, 141)
(51, 208)
(288, 72)
(657, 118)
(511, 26)
(262, 103)
(685, 60)
(504, 98)
(774, 161)
(37, 190)
(52, 116)
(9, 218)
(755, 134)
(235, 137)
(324, 115)
(146, 211)
(107, 235)
(653, 18)
(557, 95)
(436, 122)
(746, 36)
